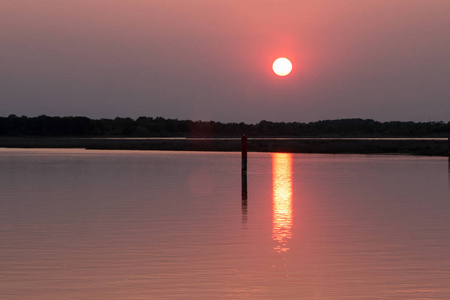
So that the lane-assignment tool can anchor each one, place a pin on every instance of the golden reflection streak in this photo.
(282, 200)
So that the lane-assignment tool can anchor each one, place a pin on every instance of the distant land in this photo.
(47, 126)
(350, 136)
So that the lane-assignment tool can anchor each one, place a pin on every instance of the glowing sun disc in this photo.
(282, 66)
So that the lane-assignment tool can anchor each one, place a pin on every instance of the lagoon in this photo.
(87, 224)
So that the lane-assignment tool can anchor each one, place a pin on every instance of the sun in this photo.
(282, 66)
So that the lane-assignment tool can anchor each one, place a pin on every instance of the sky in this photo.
(387, 60)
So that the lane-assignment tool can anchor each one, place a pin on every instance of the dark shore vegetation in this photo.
(333, 136)
(46, 126)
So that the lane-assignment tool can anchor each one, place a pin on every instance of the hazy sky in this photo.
(211, 59)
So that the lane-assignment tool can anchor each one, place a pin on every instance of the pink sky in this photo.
(211, 60)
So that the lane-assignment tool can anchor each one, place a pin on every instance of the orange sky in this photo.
(211, 60)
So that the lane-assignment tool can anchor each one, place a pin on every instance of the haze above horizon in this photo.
(212, 60)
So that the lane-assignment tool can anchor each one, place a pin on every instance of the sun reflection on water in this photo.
(282, 200)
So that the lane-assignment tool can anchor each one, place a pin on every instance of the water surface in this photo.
(77, 224)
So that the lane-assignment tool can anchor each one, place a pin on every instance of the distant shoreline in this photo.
(410, 146)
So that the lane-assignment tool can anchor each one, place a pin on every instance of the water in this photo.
(78, 224)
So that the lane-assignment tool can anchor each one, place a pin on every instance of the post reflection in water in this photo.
(244, 197)
(282, 200)
(448, 175)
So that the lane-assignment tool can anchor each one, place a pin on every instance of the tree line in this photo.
(162, 127)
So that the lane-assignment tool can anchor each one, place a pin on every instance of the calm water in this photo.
(78, 224)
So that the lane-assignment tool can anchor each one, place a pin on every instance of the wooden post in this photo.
(244, 176)
(244, 152)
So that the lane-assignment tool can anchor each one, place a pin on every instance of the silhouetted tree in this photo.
(159, 127)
